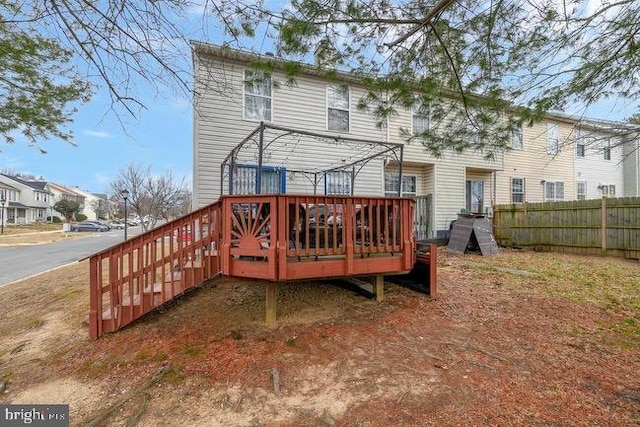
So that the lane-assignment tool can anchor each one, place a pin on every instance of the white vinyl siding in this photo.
(338, 108)
(257, 96)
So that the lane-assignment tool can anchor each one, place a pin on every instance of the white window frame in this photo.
(337, 89)
(337, 183)
(423, 112)
(556, 196)
(581, 142)
(407, 179)
(248, 76)
(517, 135)
(581, 193)
(521, 193)
(553, 145)
(606, 149)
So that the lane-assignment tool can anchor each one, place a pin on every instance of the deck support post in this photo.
(271, 299)
(378, 287)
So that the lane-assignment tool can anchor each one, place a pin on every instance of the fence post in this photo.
(603, 225)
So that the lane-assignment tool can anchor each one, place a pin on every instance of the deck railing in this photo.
(142, 273)
(272, 237)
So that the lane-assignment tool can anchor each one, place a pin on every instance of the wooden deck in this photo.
(270, 237)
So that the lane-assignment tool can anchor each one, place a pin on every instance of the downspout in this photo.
(259, 174)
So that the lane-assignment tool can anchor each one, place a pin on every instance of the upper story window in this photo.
(552, 138)
(392, 185)
(607, 149)
(338, 108)
(580, 144)
(257, 96)
(517, 141)
(517, 190)
(420, 118)
(553, 190)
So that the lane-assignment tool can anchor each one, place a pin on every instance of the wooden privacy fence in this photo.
(608, 226)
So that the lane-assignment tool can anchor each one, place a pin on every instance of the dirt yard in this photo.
(520, 339)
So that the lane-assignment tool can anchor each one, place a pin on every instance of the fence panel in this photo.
(609, 226)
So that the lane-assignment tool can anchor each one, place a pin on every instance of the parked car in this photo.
(89, 226)
(117, 224)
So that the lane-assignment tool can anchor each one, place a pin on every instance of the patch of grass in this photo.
(606, 282)
(236, 335)
(34, 323)
(291, 342)
(146, 356)
(191, 350)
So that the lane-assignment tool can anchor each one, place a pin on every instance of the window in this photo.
(517, 142)
(475, 196)
(391, 184)
(553, 190)
(607, 149)
(552, 138)
(338, 108)
(337, 183)
(420, 118)
(257, 96)
(244, 180)
(580, 144)
(607, 189)
(517, 190)
(581, 190)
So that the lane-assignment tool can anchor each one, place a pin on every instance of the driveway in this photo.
(19, 262)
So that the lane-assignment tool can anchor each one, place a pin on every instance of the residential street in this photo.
(18, 262)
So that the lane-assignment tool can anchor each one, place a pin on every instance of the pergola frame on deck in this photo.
(376, 149)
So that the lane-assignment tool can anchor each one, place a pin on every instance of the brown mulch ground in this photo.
(525, 339)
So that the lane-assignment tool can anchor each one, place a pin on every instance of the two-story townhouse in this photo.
(229, 105)
(9, 196)
(60, 192)
(599, 167)
(540, 165)
(32, 200)
(95, 206)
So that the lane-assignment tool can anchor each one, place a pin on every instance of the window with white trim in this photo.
(517, 190)
(257, 96)
(580, 144)
(337, 183)
(338, 108)
(517, 141)
(552, 139)
(392, 182)
(420, 118)
(607, 189)
(581, 190)
(607, 149)
(553, 190)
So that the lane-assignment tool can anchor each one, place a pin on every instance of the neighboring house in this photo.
(545, 164)
(95, 206)
(28, 202)
(61, 192)
(9, 196)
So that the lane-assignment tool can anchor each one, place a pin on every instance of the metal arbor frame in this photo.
(272, 140)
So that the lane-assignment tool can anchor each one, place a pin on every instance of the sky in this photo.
(160, 137)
